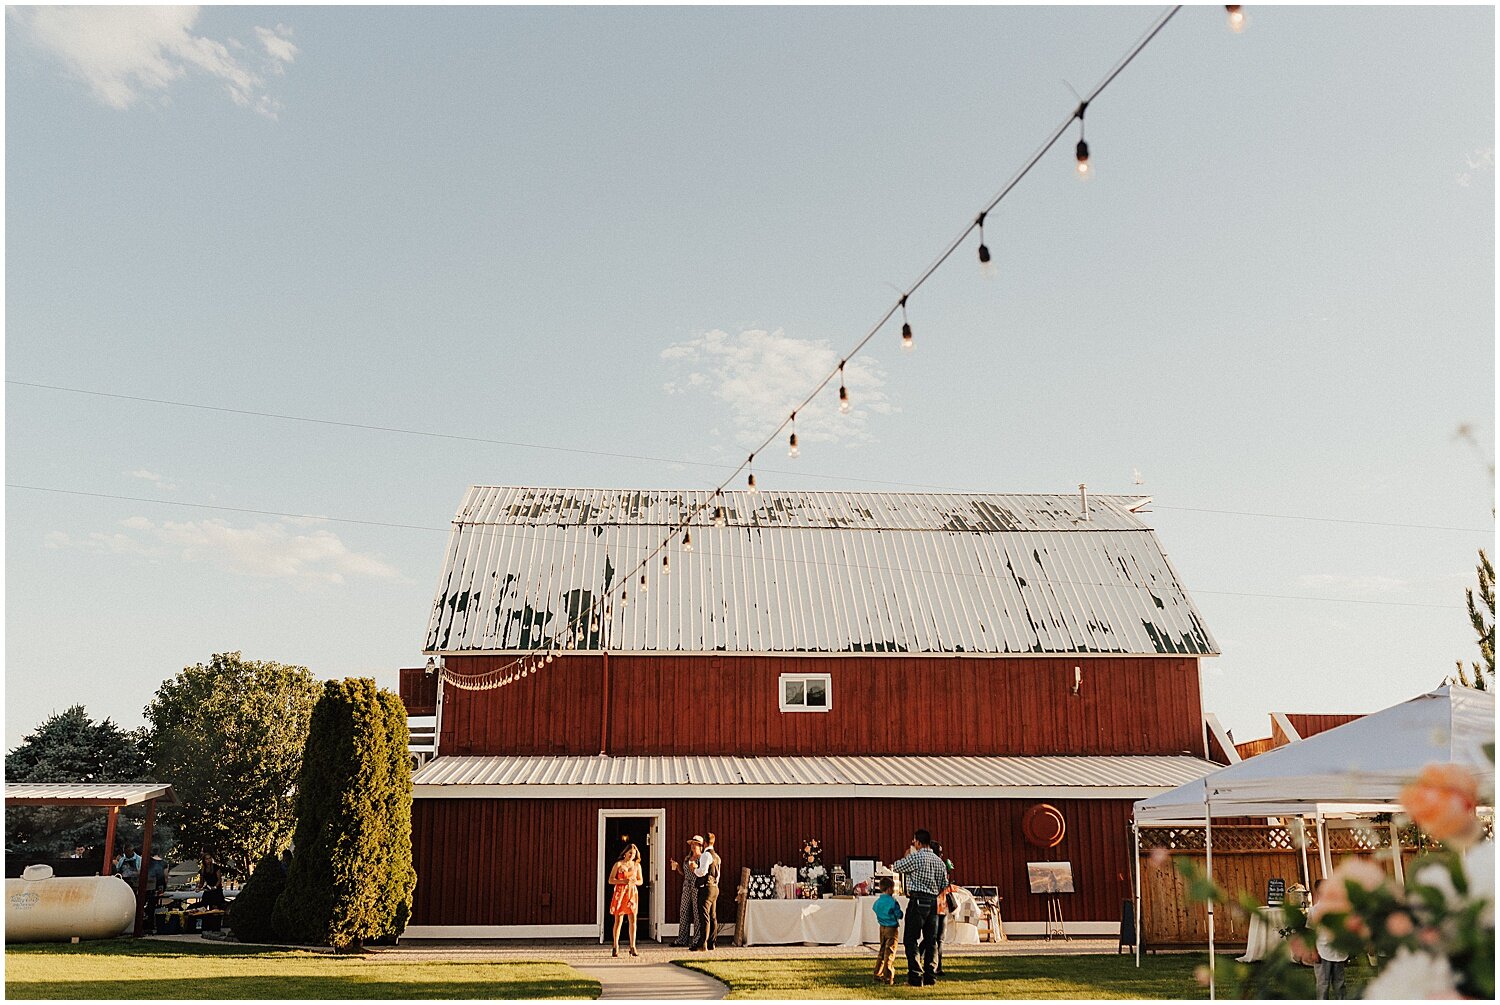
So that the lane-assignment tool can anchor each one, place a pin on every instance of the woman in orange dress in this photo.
(625, 877)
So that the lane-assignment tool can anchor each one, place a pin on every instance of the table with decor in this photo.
(836, 921)
(1264, 935)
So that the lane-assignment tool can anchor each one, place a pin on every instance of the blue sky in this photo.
(643, 231)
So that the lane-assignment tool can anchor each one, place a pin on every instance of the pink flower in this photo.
(1442, 802)
(1354, 923)
(1360, 872)
(1399, 925)
(1429, 937)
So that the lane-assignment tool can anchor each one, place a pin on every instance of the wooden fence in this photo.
(1246, 857)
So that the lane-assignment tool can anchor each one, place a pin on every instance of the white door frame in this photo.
(657, 841)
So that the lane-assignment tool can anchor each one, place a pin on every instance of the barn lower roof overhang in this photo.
(844, 777)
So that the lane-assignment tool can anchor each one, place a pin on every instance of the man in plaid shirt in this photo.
(924, 876)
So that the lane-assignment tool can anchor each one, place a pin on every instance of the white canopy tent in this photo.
(1356, 769)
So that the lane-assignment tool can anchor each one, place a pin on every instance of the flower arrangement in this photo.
(1434, 937)
(812, 870)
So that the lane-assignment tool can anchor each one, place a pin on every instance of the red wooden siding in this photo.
(532, 862)
(1252, 747)
(1311, 725)
(881, 705)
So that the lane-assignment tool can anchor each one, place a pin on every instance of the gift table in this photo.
(828, 922)
(1265, 933)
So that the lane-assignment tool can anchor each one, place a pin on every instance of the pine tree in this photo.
(351, 879)
(1483, 620)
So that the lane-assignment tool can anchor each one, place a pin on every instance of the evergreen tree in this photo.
(351, 879)
(1483, 620)
(250, 912)
(70, 747)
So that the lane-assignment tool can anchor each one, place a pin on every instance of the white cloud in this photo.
(125, 54)
(153, 478)
(268, 550)
(278, 43)
(1477, 164)
(1352, 584)
(760, 376)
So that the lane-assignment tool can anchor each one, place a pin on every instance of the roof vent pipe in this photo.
(1083, 499)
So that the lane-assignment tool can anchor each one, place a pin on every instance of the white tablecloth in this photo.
(829, 922)
(1265, 926)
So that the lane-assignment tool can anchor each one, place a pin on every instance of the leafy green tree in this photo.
(69, 747)
(228, 736)
(352, 878)
(1482, 617)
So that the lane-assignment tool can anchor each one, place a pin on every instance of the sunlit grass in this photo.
(127, 968)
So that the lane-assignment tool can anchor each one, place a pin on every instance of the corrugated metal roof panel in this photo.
(724, 770)
(829, 572)
(101, 793)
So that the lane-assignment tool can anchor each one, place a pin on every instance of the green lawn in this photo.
(126, 968)
(1166, 976)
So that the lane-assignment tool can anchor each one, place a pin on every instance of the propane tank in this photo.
(41, 907)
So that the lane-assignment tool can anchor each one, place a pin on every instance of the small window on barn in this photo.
(807, 692)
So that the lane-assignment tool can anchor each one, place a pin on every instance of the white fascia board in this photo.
(1217, 729)
(500, 931)
(1131, 792)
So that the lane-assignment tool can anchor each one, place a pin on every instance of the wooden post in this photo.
(741, 898)
(109, 841)
(143, 877)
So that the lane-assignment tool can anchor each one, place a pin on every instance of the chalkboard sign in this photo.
(1275, 891)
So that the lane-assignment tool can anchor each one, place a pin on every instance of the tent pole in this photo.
(1208, 854)
(1324, 858)
(1306, 869)
(1396, 853)
(1135, 827)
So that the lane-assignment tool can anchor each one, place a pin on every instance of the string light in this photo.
(687, 540)
(1085, 170)
(624, 599)
(1236, 17)
(1083, 147)
(720, 517)
(985, 266)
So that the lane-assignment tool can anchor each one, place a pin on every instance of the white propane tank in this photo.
(41, 907)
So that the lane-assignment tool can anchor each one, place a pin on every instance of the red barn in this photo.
(845, 666)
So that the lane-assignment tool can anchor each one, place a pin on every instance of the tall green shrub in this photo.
(250, 912)
(352, 878)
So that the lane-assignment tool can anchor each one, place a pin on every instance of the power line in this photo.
(518, 534)
(436, 434)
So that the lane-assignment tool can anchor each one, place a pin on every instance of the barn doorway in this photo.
(642, 828)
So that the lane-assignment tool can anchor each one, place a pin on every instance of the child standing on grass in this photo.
(888, 913)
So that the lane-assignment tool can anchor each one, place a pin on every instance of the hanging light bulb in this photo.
(1084, 171)
(1236, 17)
(985, 267)
(906, 344)
(687, 540)
(843, 391)
(666, 565)
(792, 450)
(548, 659)
(750, 484)
(624, 599)
(720, 518)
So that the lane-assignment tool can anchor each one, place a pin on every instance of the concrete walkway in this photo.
(632, 978)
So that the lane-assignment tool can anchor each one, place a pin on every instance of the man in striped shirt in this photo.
(923, 876)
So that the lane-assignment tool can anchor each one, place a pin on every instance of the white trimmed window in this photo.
(806, 692)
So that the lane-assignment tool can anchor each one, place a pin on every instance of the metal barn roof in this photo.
(1061, 777)
(814, 572)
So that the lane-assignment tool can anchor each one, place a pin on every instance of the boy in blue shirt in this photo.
(888, 913)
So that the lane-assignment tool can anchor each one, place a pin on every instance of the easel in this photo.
(1055, 918)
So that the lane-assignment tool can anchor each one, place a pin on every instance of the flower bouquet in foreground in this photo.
(1432, 938)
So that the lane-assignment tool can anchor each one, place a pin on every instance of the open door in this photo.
(657, 880)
